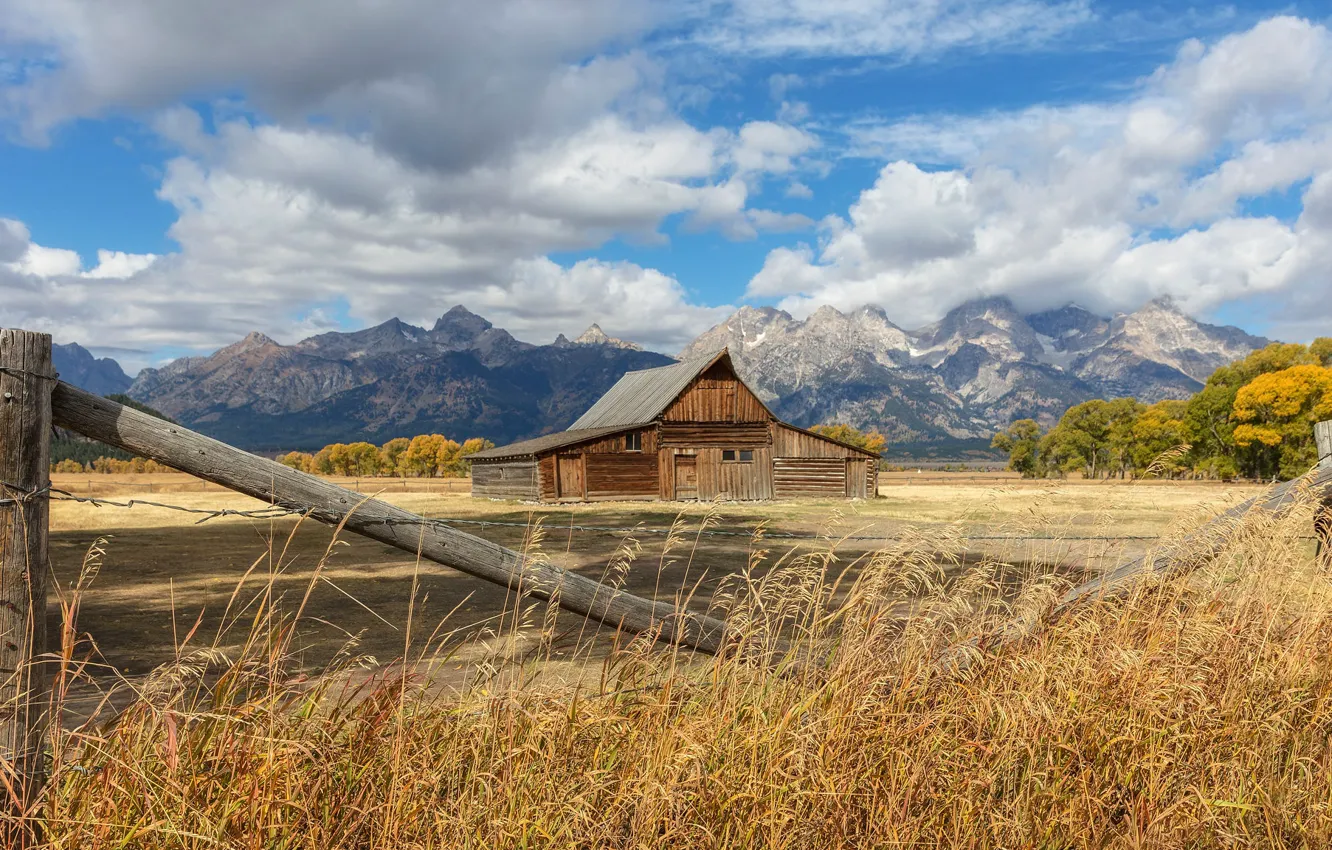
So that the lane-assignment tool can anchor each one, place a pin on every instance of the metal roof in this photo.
(529, 448)
(640, 397)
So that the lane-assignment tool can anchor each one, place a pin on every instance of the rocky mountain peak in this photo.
(459, 328)
(77, 365)
(253, 340)
(594, 335)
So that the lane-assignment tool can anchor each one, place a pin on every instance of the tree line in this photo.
(423, 456)
(1254, 418)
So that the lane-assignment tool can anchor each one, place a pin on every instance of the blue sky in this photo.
(173, 175)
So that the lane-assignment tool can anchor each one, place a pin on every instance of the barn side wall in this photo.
(506, 479)
(623, 475)
(807, 465)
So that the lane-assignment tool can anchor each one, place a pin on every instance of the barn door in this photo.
(857, 476)
(569, 476)
(686, 477)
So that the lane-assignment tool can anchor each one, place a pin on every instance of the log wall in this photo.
(510, 479)
(615, 443)
(686, 435)
(626, 475)
(795, 477)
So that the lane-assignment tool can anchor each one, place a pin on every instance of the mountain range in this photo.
(980, 367)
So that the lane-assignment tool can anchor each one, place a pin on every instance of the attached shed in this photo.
(689, 431)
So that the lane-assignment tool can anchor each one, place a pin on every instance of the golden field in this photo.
(1195, 713)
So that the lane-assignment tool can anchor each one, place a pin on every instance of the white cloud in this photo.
(892, 28)
(796, 189)
(413, 155)
(1105, 204)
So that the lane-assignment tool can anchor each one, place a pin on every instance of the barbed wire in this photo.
(272, 512)
(21, 373)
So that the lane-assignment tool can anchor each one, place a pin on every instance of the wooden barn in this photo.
(689, 431)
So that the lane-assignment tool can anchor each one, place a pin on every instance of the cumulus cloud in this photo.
(406, 71)
(1106, 204)
(411, 155)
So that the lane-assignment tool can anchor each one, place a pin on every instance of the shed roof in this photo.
(640, 397)
(532, 447)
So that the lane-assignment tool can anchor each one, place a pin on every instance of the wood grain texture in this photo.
(276, 484)
(717, 396)
(513, 479)
(26, 383)
(794, 477)
(1323, 438)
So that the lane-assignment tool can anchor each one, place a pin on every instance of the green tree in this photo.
(1121, 418)
(1080, 440)
(1321, 349)
(1022, 442)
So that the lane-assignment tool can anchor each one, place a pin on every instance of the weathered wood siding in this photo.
(571, 476)
(546, 477)
(509, 479)
(615, 443)
(734, 480)
(794, 477)
(790, 442)
(715, 478)
(680, 479)
(689, 435)
(624, 475)
(717, 396)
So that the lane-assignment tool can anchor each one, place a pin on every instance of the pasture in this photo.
(164, 570)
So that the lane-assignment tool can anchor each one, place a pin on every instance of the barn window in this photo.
(738, 455)
(633, 442)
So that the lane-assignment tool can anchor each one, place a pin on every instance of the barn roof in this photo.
(640, 397)
(528, 448)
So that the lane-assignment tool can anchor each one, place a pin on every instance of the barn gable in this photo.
(692, 430)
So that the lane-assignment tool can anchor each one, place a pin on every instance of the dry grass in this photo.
(163, 570)
(1194, 713)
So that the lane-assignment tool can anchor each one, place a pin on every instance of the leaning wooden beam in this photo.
(1179, 558)
(211, 460)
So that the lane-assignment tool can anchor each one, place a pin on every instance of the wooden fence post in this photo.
(1323, 519)
(26, 383)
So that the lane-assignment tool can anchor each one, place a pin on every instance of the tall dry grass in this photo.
(1194, 713)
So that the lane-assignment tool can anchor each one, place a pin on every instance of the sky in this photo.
(177, 173)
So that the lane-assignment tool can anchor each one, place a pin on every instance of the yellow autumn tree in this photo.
(1277, 411)
(871, 441)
